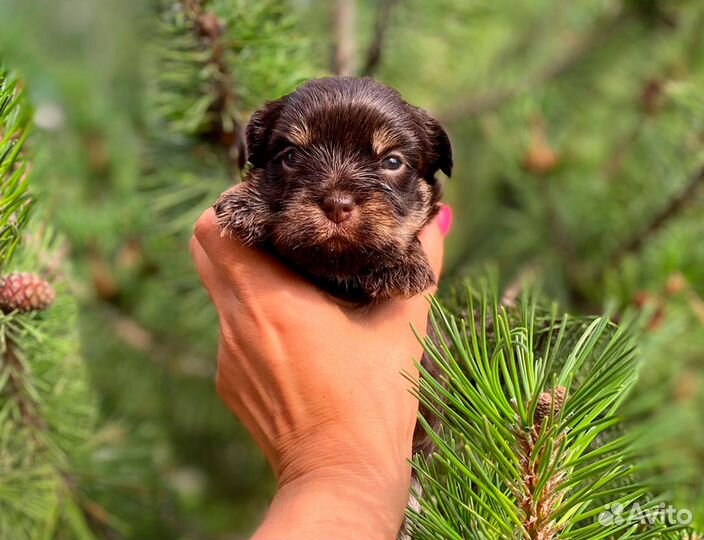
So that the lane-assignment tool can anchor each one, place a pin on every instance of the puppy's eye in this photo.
(288, 157)
(391, 163)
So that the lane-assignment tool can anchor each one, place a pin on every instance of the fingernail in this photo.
(445, 219)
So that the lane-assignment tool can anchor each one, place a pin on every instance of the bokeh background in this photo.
(578, 132)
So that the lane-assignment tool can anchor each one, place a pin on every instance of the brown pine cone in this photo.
(23, 291)
(540, 157)
(546, 406)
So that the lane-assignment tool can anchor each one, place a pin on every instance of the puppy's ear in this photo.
(259, 130)
(439, 147)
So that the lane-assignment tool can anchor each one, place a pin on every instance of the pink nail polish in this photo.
(445, 219)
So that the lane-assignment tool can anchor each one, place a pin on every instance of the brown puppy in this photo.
(341, 179)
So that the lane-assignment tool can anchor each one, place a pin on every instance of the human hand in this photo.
(319, 386)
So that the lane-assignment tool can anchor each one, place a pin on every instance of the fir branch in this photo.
(670, 212)
(376, 48)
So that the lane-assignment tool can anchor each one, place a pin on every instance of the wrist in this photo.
(345, 506)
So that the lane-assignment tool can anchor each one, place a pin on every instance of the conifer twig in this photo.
(31, 417)
(376, 48)
(571, 58)
(15, 370)
(614, 163)
(160, 352)
(538, 503)
(226, 130)
(516, 287)
(528, 447)
(659, 220)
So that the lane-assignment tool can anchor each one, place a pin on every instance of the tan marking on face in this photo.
(300, 135)
(383, 140)
(386, 230)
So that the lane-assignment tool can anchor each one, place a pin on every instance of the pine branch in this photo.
(165, 353)
(650, 101)
(562, 243)
(15, 202)
(574, 56)
(535, 496)
(35, 456)
(670, 212)
(517, 286)
(226, 130)
(528, 445)
(16, 374)
(376, 48)
(46, 449)
(614, 163)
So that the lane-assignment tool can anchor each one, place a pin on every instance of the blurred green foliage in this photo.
(578, 130)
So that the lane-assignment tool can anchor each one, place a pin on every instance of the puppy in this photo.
(340, 180)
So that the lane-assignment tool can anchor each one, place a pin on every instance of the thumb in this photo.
(432, 237)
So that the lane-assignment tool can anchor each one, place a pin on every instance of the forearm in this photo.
(336, 508)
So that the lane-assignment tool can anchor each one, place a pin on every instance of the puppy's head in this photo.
(348, 168)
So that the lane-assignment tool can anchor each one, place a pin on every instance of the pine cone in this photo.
(545, 403)
(23, 291)
(676, 284)
(540, 157)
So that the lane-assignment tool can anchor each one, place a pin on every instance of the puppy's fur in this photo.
(341, 139)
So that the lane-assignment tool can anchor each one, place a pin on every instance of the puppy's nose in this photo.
(338, 207)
